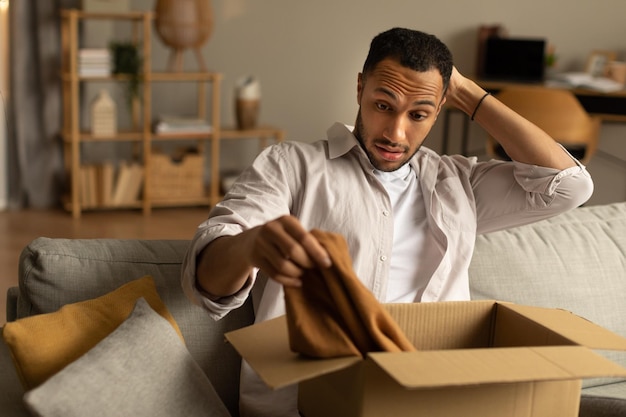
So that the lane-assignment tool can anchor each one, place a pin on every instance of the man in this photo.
(410, 216)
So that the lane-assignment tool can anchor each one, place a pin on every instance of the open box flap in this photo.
(578, 330)
(265, 346)
(439, 368)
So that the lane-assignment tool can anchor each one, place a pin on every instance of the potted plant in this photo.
(127, 61)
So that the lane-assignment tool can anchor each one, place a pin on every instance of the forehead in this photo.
(390, 76)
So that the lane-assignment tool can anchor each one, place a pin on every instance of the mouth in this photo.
(390, 153)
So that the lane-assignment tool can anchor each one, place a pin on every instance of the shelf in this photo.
(151, 77)
(119, 137)
(141, 115)
(68, 76)
(226, 134)
(261, 131)
(79, 14)
(180, 136)
(185, 76)
(67, 204)
(178, 202)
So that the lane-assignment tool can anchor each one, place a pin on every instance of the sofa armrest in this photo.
(12, 294)
(11, 391)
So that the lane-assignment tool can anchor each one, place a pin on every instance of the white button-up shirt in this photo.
(331, 185)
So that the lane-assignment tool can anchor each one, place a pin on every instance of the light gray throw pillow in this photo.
(141, 369)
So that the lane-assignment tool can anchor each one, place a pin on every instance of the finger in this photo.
(286, 280)
(285, 234)
(307, 248)
(316, 251)
(271, 257)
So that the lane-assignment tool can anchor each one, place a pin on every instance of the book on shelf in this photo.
(94, 72)
(88, 186)
(102, 186)
(106, 177)
(173, 124)
(94, 53)
(127, 184)
(94, 62)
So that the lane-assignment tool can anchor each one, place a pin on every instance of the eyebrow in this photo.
(393, 96)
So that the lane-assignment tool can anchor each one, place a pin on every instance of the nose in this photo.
(395, 130)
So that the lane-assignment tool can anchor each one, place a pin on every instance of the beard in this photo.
(362, 136)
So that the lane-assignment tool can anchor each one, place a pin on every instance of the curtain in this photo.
(35, 160)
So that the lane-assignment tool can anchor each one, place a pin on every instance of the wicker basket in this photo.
(174, 179)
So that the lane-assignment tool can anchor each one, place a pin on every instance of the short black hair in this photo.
(413, 49)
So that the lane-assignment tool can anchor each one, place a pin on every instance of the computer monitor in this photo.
(511, 59)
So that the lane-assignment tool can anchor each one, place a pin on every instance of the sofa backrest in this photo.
(575, 261)
(55, 272)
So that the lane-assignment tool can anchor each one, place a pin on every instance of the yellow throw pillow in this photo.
(44, 344)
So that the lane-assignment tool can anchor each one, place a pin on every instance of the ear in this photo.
(443, 101)
(359, 88)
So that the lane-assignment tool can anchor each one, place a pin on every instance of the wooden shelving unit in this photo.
(140, 134)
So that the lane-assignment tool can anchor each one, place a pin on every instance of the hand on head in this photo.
(455, 88)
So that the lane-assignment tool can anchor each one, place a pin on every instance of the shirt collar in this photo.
(340, 140)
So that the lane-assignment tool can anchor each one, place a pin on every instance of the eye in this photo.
(417, 115)
(382, 106)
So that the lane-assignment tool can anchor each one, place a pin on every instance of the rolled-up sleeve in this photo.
(216, 307)
(534, 194)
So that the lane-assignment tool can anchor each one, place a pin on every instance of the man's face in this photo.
(397, 109)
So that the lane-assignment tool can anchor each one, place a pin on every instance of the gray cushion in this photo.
(602, 407)
(141, 369)
(612, 389)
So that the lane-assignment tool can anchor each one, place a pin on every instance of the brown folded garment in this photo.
(333, 314)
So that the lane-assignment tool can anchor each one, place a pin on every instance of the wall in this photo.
(307, 55)
(4, 97)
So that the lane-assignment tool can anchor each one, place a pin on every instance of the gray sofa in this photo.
(576, 261)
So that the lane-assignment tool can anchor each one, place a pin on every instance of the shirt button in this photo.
(383, 258)
(385, 213)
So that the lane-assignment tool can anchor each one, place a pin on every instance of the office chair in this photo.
(558, 112)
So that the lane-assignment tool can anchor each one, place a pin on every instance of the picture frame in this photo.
(598, 61)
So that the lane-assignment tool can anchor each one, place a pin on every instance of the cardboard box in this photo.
(475, 358)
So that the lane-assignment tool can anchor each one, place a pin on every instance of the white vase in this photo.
(103, 115)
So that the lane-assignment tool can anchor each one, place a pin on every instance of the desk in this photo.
(610, 107)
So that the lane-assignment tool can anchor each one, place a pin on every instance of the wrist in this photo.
(478, 105)
(466, 96)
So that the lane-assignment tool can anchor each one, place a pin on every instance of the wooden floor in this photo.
(18, 228)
